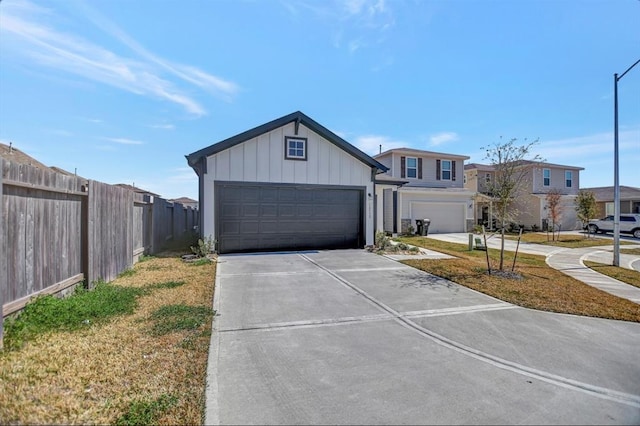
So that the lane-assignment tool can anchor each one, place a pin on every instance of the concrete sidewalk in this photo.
(569, 261)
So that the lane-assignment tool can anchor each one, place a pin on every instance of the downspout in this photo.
(375, 204)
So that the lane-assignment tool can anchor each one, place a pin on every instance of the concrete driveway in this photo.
(350, 337)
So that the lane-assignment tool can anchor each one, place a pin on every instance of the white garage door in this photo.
(445, 217)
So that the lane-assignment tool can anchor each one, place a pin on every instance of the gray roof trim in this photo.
(297, 117)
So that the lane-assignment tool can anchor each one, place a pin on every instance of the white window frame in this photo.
(410, 169)
(443, 169)
(568, 178)
(546, 180)
(296, 152)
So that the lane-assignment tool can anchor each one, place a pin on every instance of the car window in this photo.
(608, 218)
(627, 219)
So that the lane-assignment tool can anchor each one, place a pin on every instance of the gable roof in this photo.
(297, 117)
(11, 153)
(183, 200)
(490, 167)
(605, 193)
(420, 152)
(136, 189)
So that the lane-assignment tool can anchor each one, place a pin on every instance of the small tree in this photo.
(554, 210)
(585, 204)
(512, 172)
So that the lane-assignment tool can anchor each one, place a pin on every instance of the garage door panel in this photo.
(250, 210)
(269, 210)
(287, 216)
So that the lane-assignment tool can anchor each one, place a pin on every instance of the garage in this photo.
(267, 217)
(445, 217)
(289, 184)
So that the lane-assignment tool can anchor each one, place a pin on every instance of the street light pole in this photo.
(616, 183)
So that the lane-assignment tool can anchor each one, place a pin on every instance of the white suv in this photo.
(629, 224)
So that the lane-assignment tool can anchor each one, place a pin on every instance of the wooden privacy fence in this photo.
(58, 230)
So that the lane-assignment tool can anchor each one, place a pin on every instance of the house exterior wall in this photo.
(532, 210)
(262, 159)
(393, 161)
(557, 180)
(477, 181)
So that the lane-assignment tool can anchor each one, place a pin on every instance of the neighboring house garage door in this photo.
(263, 217)
(445, 217)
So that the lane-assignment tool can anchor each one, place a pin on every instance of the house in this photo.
(137, 190)
(423, 185)
(629, 199)
(186, 201)
(288, 184)
(531, 203)
(11, 153)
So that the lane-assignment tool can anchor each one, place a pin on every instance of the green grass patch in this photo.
(145, 412)
(200, 262)
(172, 318)
(167, 284)
(81, 309)
(145, 258)
(127, 273)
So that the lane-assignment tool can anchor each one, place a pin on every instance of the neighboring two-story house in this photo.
(432, 188)
(531, 204)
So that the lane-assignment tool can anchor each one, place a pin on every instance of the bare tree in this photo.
(554, 211)
(585, 204)
(512, 167)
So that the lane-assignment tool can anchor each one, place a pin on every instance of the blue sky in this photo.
(122, 90)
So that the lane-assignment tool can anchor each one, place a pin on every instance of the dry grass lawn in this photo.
(564, 240)
(621, 274)
(122, 371)
(539, 286)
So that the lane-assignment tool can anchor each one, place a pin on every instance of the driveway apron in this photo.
(350, 337)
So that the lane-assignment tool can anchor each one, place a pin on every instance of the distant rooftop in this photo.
(136, 189)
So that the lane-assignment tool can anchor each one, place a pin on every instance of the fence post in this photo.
(3, 258)
(84, 235)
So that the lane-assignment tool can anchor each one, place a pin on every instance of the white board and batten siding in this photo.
(262, 160)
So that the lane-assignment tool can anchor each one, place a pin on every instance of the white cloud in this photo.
(124, 141)
(442, 138)
(60, 132)
(162, 126)
(370, 144)
(570, 150)
(355, 24)
(26, 33)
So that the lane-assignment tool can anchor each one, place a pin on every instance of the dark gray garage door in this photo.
(264, 217)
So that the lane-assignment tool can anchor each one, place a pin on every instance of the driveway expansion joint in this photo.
(597, 391)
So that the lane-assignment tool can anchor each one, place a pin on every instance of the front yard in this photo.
(538, 285)
(132, 352)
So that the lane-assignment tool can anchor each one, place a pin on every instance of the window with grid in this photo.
(446, 169)
(295, 148)
(568, 178)
(412, 167)
(546, 177)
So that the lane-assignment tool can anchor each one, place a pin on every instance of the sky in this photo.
(120, 91)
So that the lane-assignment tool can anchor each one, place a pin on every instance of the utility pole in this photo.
(616, 182)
